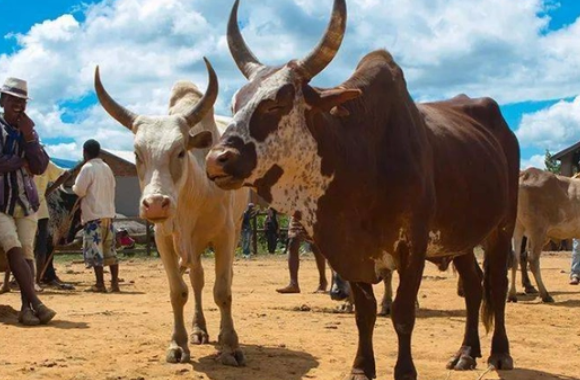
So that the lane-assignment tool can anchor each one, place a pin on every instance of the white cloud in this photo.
(553, 128)
(536, 161)
(497, 48)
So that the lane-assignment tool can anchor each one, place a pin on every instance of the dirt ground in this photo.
(284, 337)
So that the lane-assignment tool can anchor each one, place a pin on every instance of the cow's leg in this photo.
(536, 245)
(404, 306)
(387, 300)
(526, 283)
(178, 351)
(365, 310)
(497, 250)
(199, 333)
(230, 353)
(465, 358)
(518, 237)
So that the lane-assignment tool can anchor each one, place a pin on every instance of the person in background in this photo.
(575, 268)
(21, 157)
(272, 229)
(247, 230)
(95, 185)
(296, 235)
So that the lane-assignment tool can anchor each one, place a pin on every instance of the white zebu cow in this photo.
(190, 212)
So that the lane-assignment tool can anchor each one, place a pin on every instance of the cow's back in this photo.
(549, 203)
(476, 164)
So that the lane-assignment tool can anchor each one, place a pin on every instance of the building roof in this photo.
(565, 152)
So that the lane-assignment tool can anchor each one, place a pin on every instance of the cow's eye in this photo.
(181, 154)
(274, 109)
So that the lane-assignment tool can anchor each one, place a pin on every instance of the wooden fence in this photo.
(148, 239)
(149, 248)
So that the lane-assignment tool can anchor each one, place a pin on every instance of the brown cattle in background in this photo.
(548, 208)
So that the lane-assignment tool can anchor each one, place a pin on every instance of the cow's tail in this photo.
(487, 316)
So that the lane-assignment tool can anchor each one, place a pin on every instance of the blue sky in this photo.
(523, 53)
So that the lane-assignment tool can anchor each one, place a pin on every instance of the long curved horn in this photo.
(117, 111)
(326, 49)
(208, 99)
(243, 56)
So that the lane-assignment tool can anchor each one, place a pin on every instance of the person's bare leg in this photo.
(24, 276)
(6, 285)
(321, 265)
(293, 266)
(99, 286)
(115, 278)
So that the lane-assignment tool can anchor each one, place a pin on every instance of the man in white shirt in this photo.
(95, 185)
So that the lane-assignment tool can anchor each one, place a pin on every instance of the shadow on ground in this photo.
(277, 363)
(9, 316)
(530, 374)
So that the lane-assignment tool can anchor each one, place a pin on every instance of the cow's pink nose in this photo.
(156, 207)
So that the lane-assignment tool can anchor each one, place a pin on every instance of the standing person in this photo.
(247, 230)
(95, 185)
(272, 229)
(21, 157)
(51, 174)
(575, 269)
(297, 234)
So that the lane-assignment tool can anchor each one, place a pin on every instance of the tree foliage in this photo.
(552, 165)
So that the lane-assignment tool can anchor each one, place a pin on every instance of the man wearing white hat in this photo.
(21, 157)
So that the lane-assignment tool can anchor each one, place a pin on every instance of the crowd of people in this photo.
(25, 171)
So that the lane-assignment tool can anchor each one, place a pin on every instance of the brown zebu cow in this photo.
(548, 208)
(379, 181)
(189, 211)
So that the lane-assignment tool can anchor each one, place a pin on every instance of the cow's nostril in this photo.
(165, 203)
(225, 157)
(145, 203)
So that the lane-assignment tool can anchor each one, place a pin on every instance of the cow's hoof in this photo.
(547, 299)
(346, 307)
(176, 354)
(530, 290)
(358, 374)
(199, 336)
(501, 361)
(462, 360)
(513, 299)
(464, 363)
(385, 311)
(232, 359)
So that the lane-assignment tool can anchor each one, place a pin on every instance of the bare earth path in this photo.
(285, 337)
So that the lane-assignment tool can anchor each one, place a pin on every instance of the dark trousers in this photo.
(41, 252)
(272, 238)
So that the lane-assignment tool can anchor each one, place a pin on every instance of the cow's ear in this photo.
(200, 140)
(330, 100)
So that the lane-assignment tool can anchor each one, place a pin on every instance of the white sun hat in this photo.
(15, 87)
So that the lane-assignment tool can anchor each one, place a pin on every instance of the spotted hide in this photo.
(379, 182)
(64, 221)
(190, 213)
(65, 217)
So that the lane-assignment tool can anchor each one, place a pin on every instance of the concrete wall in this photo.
(127, 194)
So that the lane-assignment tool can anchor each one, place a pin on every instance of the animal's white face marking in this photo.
(288, 145)
(161, 155)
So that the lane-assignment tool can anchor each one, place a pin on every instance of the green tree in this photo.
(552, 165)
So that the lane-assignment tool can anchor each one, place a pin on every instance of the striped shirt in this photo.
(16, 185)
